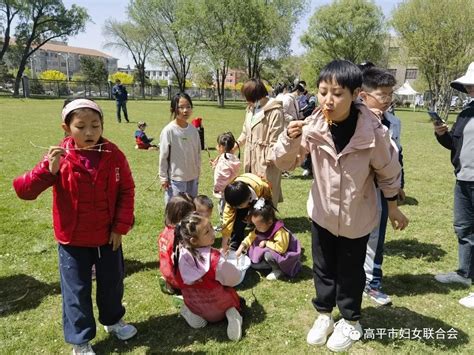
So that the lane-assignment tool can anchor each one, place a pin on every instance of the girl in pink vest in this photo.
(207, 277)
(176, 209)
(270, 245)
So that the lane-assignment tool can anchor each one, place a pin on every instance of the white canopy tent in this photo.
(406, 90)
(406, 93)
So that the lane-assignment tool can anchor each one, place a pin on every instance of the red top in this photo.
(86, 207)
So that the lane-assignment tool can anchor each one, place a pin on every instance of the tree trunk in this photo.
(21, 69)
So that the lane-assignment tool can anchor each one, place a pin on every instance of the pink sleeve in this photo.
(227, 274)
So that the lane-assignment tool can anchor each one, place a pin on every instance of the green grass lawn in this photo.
(279, 313)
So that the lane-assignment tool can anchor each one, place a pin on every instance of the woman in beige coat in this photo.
(264, 121)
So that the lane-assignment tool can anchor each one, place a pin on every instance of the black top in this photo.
(342, 132)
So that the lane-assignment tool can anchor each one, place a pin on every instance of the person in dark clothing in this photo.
(460, 141)
(119, 92)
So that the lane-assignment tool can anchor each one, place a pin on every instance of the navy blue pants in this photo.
(75, 265)
(338, 272)
(122, 105)
(464, 226)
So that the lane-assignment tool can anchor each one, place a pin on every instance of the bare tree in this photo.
(132, 38)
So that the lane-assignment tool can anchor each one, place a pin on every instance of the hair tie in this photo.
(259, 204)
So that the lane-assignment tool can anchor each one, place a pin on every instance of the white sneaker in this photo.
(468, 301)
(274, 275)
(234, 327)
(344, 335)
(121, 330)
(82, 349)
(322, 327)
(306, 172)
(191, 318)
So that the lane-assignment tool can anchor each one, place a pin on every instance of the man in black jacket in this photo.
(121, 97)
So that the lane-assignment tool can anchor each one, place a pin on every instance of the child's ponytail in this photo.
(227, 140)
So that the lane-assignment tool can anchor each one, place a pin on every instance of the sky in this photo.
(101, 10)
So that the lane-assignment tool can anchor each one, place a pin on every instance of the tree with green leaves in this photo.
(9, 9)
(134, 39)
(268, 27)
(346, 29)
(171, 40)
(217, 28)
(42, 21)
(94, 71)
(439, 38)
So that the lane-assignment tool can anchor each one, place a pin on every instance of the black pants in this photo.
(338, 271)
(238, 232)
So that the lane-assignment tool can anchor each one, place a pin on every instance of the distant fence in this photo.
(39, 88)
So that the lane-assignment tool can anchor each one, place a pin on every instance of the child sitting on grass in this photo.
(141, 139)
(206, 276)
(270, 245)
(177, 208)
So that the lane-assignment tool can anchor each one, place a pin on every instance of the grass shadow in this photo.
(22, 292)
(409, 285)
(170, 333)
(133, 266)
(298, 224)
(378, 322)
(412, 248)
(408, 201)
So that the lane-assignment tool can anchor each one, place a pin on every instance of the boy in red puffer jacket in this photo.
(93, 202)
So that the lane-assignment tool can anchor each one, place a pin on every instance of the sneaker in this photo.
(234, 327)
(121, 330)
(322, 327)
(344, 335)
(274, 275)
(218, 228)
(306, 172)
(83, 349)
(377, 296)
(286, 174)
(192, 319)
(453, 277)
(262, 265)
(468, 301)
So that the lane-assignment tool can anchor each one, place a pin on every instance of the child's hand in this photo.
(241, 250)
(165, 185)
(54, 157)
(262, 244)
(397, 218)
(115, 240)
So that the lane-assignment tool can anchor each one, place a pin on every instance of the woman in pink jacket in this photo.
(93, 201)
(350, 151)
